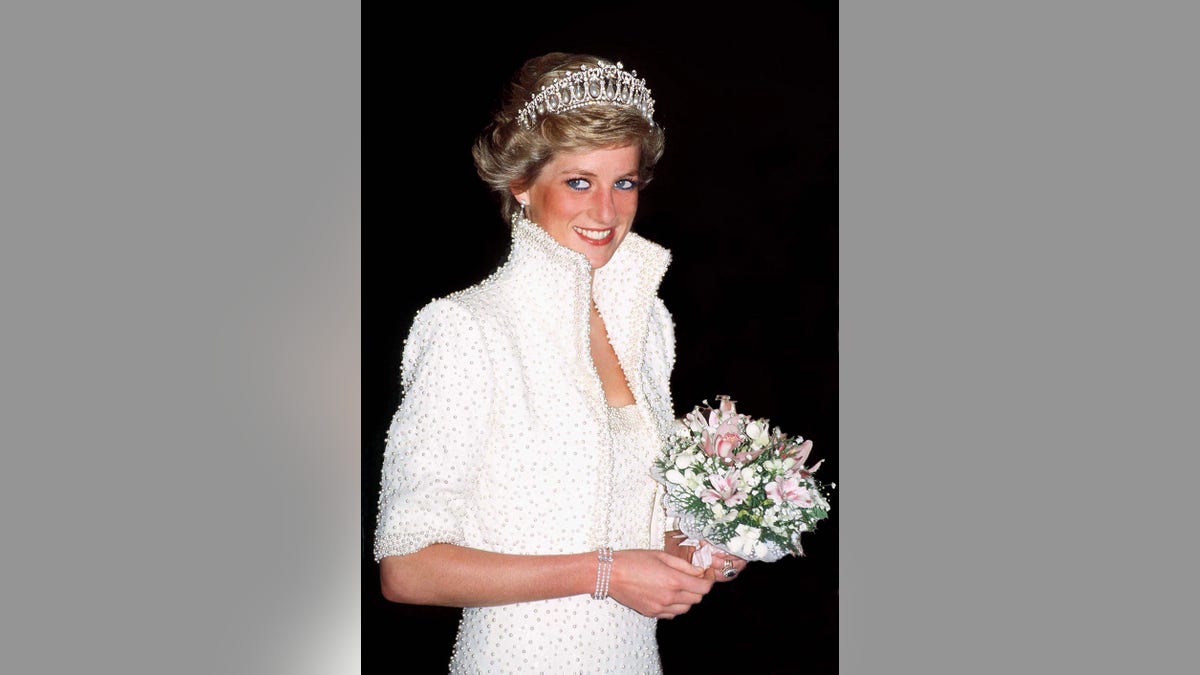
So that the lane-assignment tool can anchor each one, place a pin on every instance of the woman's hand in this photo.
(672, 543)
(656, 583)
(717, 569)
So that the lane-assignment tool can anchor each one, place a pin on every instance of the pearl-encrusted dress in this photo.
(505, 442)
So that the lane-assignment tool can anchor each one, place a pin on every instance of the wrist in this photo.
(604, 566)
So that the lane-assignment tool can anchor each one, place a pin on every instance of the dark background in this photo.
(745, 197)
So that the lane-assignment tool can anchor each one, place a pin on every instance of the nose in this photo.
(604, 207)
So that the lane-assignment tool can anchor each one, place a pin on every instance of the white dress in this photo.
(504, 442)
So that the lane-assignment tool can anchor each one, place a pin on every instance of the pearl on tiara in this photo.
(601, 84)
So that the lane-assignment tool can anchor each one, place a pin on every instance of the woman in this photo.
(516, 473)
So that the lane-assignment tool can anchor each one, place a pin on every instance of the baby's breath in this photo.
(742, 489)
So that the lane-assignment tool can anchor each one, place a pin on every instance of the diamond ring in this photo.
(727, 570)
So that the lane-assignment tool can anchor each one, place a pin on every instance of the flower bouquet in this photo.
(735, 483)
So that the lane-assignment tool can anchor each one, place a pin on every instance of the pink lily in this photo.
(798, 452)
(724, 489)
(723, 440)
(746, 456)
(789, 490)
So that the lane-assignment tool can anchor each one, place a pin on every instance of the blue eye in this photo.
(578, 184)
(626, 184)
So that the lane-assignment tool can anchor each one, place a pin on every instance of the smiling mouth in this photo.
(595, 237)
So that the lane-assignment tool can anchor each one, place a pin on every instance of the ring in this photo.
(728, 571)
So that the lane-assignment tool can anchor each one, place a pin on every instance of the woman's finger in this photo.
(690, 597)
(735, 565)
(672, 611)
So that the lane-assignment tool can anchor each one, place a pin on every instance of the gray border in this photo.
(179, 280)
(1017, 331)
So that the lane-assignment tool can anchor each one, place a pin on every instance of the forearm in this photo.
(456, 576)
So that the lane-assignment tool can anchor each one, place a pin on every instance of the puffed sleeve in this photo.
(427, 483)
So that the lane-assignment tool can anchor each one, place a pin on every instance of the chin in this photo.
(597, 263)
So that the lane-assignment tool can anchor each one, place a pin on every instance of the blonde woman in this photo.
(516, 478)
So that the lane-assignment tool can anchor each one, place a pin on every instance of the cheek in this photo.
(562, 204)
(629, 202)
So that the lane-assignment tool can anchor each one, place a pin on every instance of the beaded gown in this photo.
(504, 442)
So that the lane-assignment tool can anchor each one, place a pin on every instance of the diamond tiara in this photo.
(602, 84)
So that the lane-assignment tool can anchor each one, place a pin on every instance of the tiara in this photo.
(602, 84)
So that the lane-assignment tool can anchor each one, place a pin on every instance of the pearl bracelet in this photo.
(603, 572)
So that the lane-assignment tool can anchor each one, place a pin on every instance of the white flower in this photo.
(770, 516)
(720, 514)
(746, 544)
(750, 476)
(758, 434)
(685, 460)
(695, 422)
(675, 477)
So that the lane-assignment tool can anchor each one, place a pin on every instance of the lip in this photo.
(606, 239)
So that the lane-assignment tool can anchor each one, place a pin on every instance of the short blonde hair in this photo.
(508, 156)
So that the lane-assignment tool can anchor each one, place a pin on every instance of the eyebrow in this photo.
(585, 172)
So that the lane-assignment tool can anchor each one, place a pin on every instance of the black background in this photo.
(745, 197)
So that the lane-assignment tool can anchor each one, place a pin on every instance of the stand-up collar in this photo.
(624, 289)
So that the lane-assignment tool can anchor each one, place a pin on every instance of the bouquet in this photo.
(737, 484)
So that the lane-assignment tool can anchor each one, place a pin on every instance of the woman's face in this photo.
(586, 200)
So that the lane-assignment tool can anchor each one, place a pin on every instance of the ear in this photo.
(522, 196)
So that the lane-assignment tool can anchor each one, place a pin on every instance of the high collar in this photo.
(624, 289)
(633, 274)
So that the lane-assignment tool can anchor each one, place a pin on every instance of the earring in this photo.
(522, 209)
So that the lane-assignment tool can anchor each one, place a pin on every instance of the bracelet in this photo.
(603, 572)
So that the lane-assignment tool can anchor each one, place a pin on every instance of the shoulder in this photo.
(442, 318)
(469, 318)
(442, 328)
(474, 307)
(446, 344)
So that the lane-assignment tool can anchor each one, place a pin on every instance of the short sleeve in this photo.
(427, 483)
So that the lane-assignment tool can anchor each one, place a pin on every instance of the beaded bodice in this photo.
(504, 442)
(503, 405)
